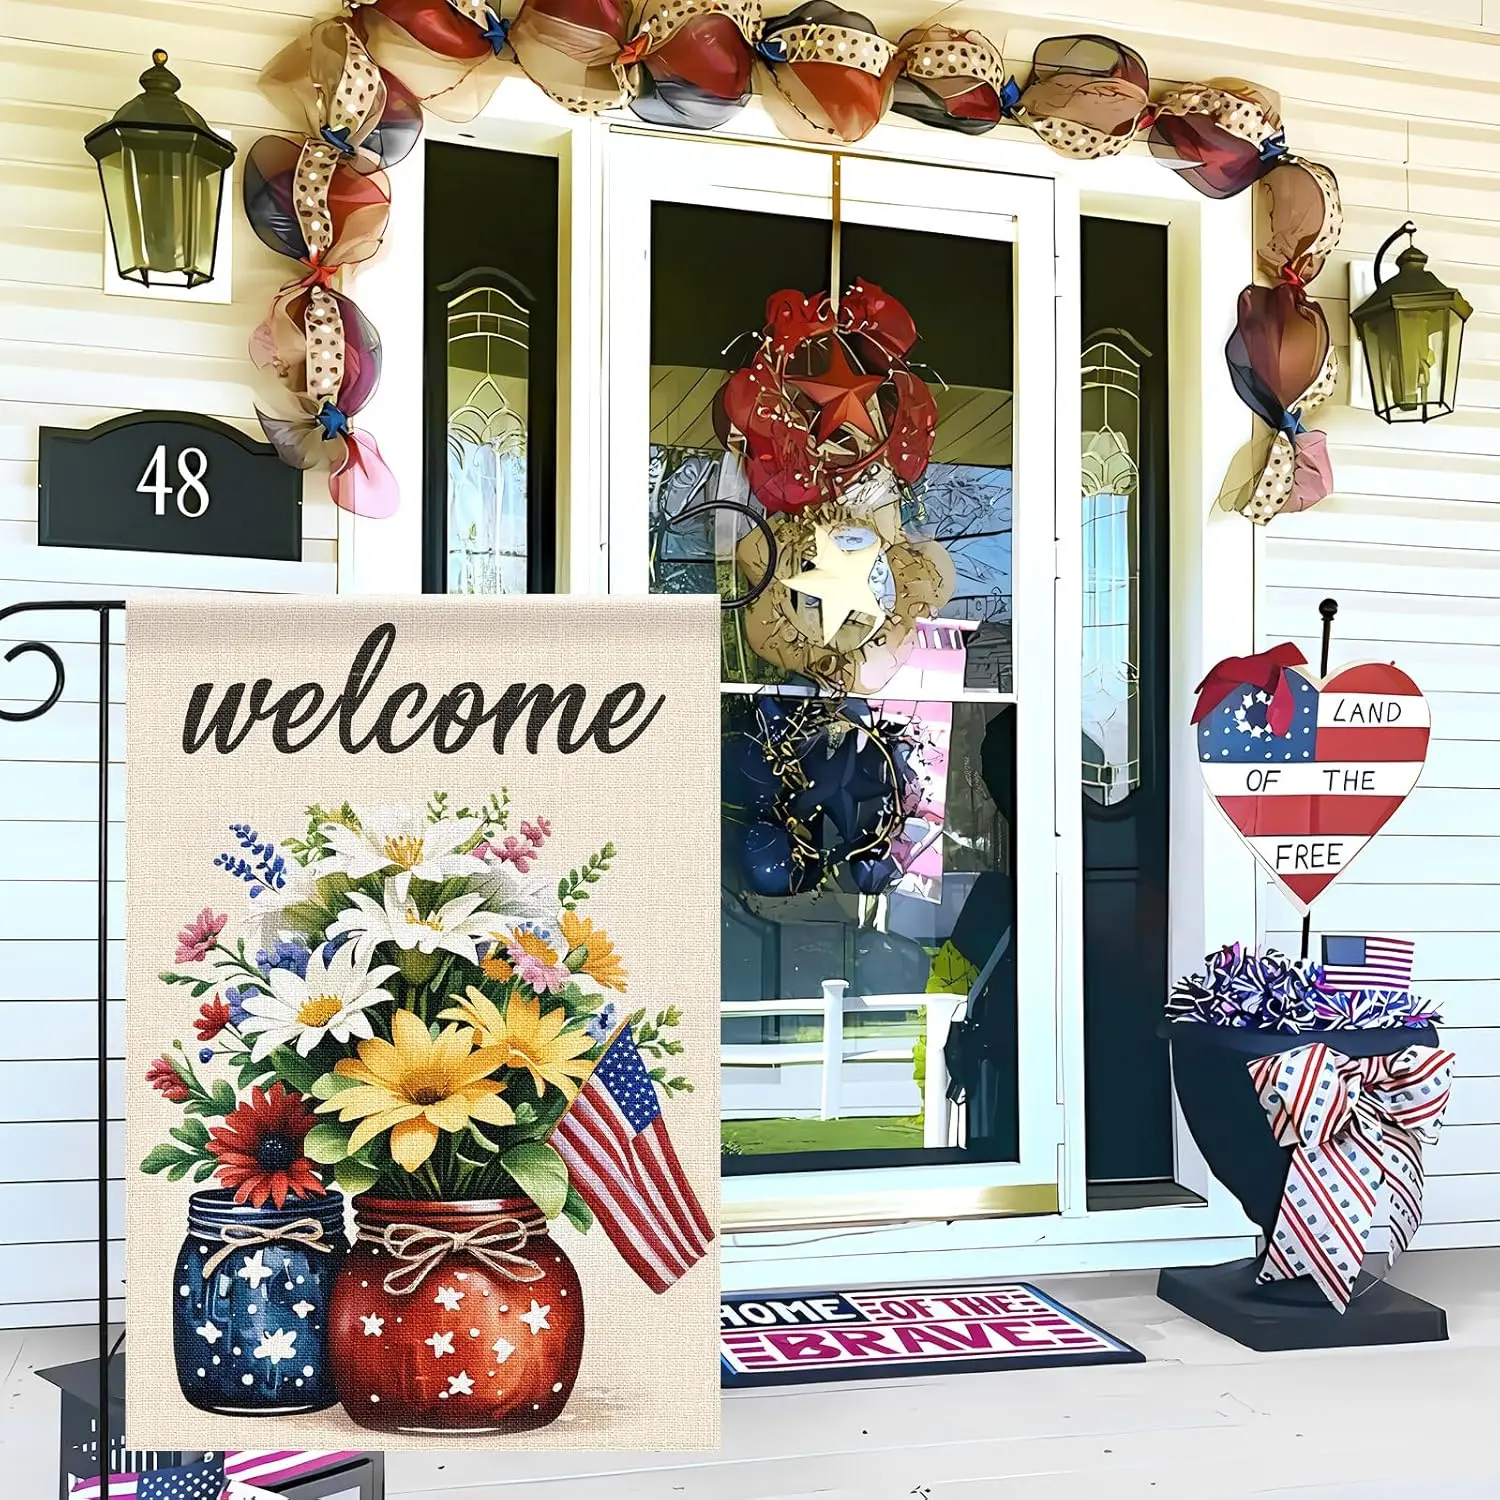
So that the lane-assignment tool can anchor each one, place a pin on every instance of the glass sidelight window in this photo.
(488, 348)
(490, 512)
(1111, 569)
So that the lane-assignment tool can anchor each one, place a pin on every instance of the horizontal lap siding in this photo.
(72, 357)
(1410, 547)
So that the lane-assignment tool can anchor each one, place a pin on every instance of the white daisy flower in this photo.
(402, 839)
(331, 1001)
(453, 927)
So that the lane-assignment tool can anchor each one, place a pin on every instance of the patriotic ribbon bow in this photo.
(1265, 670)
(496, 1243)
(1355, 1125)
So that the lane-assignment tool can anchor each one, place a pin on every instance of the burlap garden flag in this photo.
(423, 1024)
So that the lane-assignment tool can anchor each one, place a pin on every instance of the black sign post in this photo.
(167, 481)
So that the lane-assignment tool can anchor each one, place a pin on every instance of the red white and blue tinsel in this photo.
(1267, 991)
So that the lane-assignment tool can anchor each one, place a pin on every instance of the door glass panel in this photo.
(489, 337)
(489, 274)
(845, 1001)
(1111, 571)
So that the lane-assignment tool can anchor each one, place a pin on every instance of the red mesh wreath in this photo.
(828, 396)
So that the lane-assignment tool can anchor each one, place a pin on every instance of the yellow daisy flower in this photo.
(417, 1086)
(600, 961)
(493, 963)
(526, 1039)
(478, 1012)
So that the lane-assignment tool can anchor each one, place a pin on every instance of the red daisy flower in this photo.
(212, 1019)
(167, 1081)
(259, 1147)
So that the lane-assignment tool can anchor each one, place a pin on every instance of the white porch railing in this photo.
(838, 1075)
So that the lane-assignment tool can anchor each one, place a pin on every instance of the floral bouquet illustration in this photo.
(408, 1012)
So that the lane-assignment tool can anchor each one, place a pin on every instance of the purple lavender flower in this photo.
(284, 955)
(602, 1026)
(236, 999)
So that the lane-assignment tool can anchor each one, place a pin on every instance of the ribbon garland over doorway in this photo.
(358, 84)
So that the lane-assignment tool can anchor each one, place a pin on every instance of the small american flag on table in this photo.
(623, 1165)
(1367, 963)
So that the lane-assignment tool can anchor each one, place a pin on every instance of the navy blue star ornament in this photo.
(839, 784)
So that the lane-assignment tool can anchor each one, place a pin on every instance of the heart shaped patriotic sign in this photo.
(1307, 771)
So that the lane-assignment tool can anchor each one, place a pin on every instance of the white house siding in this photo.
(71, 356)
(1398, 96)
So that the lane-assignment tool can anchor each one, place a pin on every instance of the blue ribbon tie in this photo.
(1273, 147)
(496, 32)
(339, 140)
(1291, 424)
(333, 421)
(771, 49)
(1010, 97)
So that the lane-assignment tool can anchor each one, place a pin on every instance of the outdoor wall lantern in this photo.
(162, 171)
(1412, 328)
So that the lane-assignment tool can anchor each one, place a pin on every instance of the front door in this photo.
(890, 923)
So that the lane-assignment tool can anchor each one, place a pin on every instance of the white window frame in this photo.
(1213, 610)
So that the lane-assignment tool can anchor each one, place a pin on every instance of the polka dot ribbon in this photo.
(421, 1249)
(307, 1232)
(1356, 1127)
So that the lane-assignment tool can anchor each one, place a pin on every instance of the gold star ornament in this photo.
(840, 579)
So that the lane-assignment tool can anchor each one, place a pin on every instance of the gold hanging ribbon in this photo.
(495, 1243)
(305, 1232)
(836, 246)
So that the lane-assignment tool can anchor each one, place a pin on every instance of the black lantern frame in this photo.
(1411, 328)
(161, 170)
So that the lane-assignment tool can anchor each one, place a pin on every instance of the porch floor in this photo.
(1202, 1419)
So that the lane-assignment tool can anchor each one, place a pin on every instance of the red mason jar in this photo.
(454, 1318)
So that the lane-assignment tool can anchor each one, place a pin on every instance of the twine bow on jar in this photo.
(495, 1243)
(306, 1232)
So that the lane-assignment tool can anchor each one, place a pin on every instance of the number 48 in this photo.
(192, 469)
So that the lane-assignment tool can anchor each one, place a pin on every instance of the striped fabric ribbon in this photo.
(248, 1469)
(1355, 1126)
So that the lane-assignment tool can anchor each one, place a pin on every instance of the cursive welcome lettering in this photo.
(404, 718)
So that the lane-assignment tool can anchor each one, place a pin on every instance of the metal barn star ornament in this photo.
(840, 581)
(842, 394)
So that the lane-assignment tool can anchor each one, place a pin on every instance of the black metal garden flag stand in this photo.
(95, 1445)
(103, 611)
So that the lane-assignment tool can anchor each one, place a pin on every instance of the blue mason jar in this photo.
(250, 1304)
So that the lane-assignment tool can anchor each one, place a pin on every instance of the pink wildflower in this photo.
(514, 852)
(195, 940)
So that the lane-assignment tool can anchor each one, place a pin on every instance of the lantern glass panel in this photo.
(161, 191)
(1413, 352)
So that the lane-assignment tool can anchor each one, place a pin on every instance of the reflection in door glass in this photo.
(868, 871)
(488, 338)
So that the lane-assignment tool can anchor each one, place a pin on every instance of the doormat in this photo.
(422, 945)
(796, 1338)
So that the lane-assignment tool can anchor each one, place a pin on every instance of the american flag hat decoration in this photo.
(624, 1166)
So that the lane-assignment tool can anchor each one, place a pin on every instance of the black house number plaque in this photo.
(167, 481)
